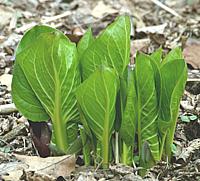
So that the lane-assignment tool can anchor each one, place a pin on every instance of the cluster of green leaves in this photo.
(93, 98)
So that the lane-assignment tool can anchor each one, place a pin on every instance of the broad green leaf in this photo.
(157, 56)
(174, 54)
(128, 126)
(25, 99)
(147, 106)
(85, 41)
(97, 97)
(172, 88)
(22, 93)
(50, 67)
(32, 35)
(157, 75)
(173, 85)
(146, 156)
(111, 48)
(72, 131)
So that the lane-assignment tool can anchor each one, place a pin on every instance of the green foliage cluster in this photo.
(97, 105)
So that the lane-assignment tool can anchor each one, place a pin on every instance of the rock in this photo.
(132, 177)
(6, 79)
(102, 179)
(6, 13)
(86, 178)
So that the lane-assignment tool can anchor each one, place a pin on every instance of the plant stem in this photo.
(127, 155)
(98, 159)
(168, 146)
(60, 134)
(59, 124)
(163, 141)
(116, 147)
(105, 150)
(86, 147)
(170, 137)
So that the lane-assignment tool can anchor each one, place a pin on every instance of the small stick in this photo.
(7, 108)
(193, 80)
(53, 18)
(46, 20)
(20, 129)
(166, 8)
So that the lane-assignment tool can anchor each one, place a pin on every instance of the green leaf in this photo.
(157, 56)
(128, 126)
(193, 117)
(174, 54)
(32, 35)
(172, 88)
(173, 85)
(22, 93)
(25, 99)
(111, 48)
(97, 97)
(147, 105)
(185, 119)
(75, 147)
(50, 67)
(174, 148)
(85, 41)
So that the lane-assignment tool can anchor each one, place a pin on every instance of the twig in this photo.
(25, 27)
(53, 18)
(46, 20)
(18, 130)
(166, 8)
(60, 161)
(7, 108)
(193, 80)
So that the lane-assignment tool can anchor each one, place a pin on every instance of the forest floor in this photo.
(155, 26)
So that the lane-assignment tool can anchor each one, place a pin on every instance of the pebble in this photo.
(102, 179)
(2, 63)
(132, 177)
(110, 176)
(1, 100)
(2, 92)
(86, 178)
(195, 71)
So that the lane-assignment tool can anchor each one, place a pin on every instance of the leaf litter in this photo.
(153, 27)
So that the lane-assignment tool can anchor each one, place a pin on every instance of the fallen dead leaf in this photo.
(39, 167)
(54, 166)
(139, 45)
(191, 53)
(101, 9)
(12, 170)
(187, 152)
(159, 29)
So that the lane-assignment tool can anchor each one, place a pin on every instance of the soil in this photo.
(153, 27)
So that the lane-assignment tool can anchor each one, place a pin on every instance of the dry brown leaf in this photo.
(192, 53)
(101, 9)
(187, 152)
(139, 45)
(53, 166)
(159, 29)
(43, 168)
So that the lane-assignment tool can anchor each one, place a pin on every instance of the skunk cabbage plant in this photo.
(45, 78)
(89, 93)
